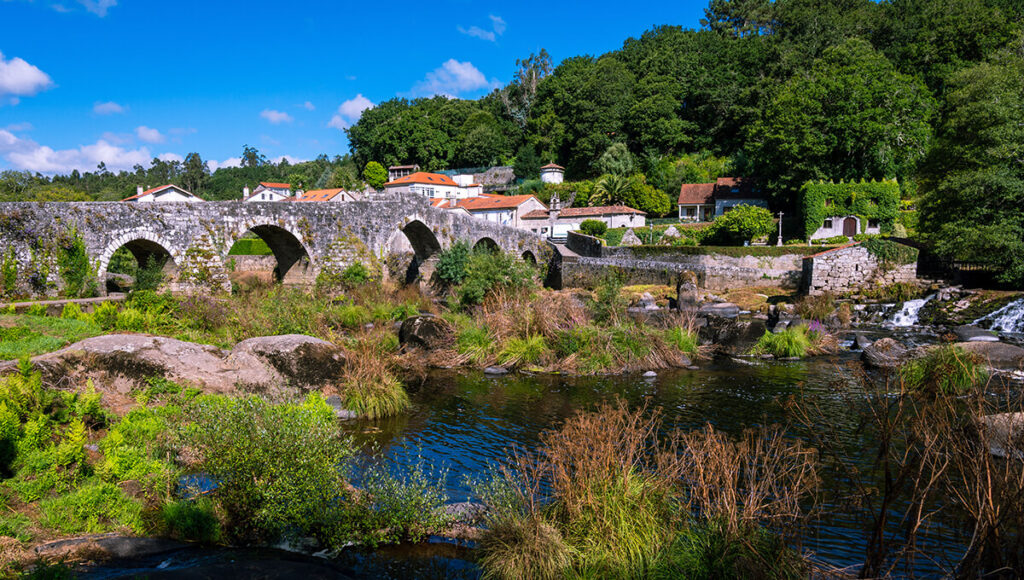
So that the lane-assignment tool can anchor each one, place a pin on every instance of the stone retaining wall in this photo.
(851, 268)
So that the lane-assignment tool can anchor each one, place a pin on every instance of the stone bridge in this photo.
(397, 237)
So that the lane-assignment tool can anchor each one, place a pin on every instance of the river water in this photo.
(462, 423)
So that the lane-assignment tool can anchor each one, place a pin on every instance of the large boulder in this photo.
(998, 355)
(720, 309)
(426, 331)
(975, 334)
(119, 363)
(630, 239)
(1004, 434)
(885, 353)
(303, 359)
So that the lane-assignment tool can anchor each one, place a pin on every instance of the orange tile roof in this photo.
(154, 190)
(276, 185)
(423, 177)
(585, 212)
(553, 166)
(486, 202)
(696, 193)
(319, 195)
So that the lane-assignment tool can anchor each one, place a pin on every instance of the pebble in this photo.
(495, 371)
(650, 374)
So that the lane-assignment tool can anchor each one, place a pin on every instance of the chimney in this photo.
(245, 192)
(138, 190)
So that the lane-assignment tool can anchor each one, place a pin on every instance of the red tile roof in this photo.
(276, 185)
(737, 188)
(486, 202)
(585, 212)
(423, 177)
(319, 195)
(696, 193)
(154, 190)
(553, 166)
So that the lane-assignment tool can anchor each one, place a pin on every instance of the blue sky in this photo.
(123, 81)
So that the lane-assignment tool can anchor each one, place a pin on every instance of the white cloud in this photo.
(108, 108)
(498, 27)
(452, 78)
(170, 157)
(98, 7)
(308, 106)
(291, 160)
(149, 135)
(19, 78)
(28, 155)
(276, 117)
(230, 162)
(350, 111)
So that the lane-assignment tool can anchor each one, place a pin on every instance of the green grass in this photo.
(946, 369)
(250, 247)
(23, 335)
(790, 343)
(375, 397)
(191, 520)
(94, 508)
(682, 339)
(518, 351)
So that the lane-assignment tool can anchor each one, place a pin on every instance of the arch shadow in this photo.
(287, 249)
(487, 244)
(409, 248)
(147, 252)
(529, 257)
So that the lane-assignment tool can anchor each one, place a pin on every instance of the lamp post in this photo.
(780, 230)
(554, 208)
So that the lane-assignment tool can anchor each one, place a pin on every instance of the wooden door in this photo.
(850, 227)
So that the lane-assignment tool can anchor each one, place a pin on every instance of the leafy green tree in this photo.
(616, 160)
(194, 173)
(481, 141)
(973, 183)
(742, 224)
(519, 96)
(251, 157)
(375, 175)
(852, 116)
(610, 190)
(527, 164)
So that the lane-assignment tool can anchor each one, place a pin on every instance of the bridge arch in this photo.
(529, 256)
(486, 243)
(422, 239)
(409, 249)
(144, 246)
(287, 246)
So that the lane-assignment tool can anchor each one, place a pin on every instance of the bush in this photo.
(488, 271)
(105, 315)
(742, 224)
(355, 274)
(191, 520)
(833, 241)
(277, 467)
(595, 228)
(92, 509)
(946, 369)
(150, 275)
(451, 264)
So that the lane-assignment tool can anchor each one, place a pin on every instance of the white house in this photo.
(849, 226)
(501, 209)
(335, 195)
(266, 191)
(704, 201)
(552, 173)
(432, 185)
(162, 194)
(570, 218)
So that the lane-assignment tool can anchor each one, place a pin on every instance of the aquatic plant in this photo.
(946, 369)
(790, 343)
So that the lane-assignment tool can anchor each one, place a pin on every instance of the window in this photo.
(828, 224)
(872, 223)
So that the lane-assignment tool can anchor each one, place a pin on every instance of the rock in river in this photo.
(1000, 356)
(425, 331)
(885, 353)
(975, 334)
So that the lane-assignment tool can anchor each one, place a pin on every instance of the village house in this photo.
(397, 171)
(434, 185)
(335, 195)
(570, 218)
(501, 209)
(161, 194)
(702, 202)
(267, 191)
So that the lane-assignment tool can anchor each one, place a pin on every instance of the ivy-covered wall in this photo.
(874, 200)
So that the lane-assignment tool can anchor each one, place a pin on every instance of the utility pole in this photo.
(780, 230)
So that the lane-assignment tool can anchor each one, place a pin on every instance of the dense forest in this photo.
(929, 92)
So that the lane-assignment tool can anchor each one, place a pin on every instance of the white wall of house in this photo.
(565, 225)
(552, 175)
(697, 212)
(268, 194)
(833, 226)
(429, 190)
(171, 194)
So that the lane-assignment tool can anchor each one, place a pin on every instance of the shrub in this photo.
(355, 274)
(277, 467)
(73, 311)
(595, 228)
(352, 316)
(451, 264)
(683, 339)
(946, 369)
(406, 508)
(150, 275)
(818, 307)
(608, 304)
(131, 319)
(105, 315)
(73, 265)
(742, 224)
(376, 397)
(833, 241)
(191, 520)
(488, 271)
(790, 343)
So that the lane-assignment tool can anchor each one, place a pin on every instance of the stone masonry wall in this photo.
(850, 268)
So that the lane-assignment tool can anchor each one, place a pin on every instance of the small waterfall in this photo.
(1009, 318)
(907, 314)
